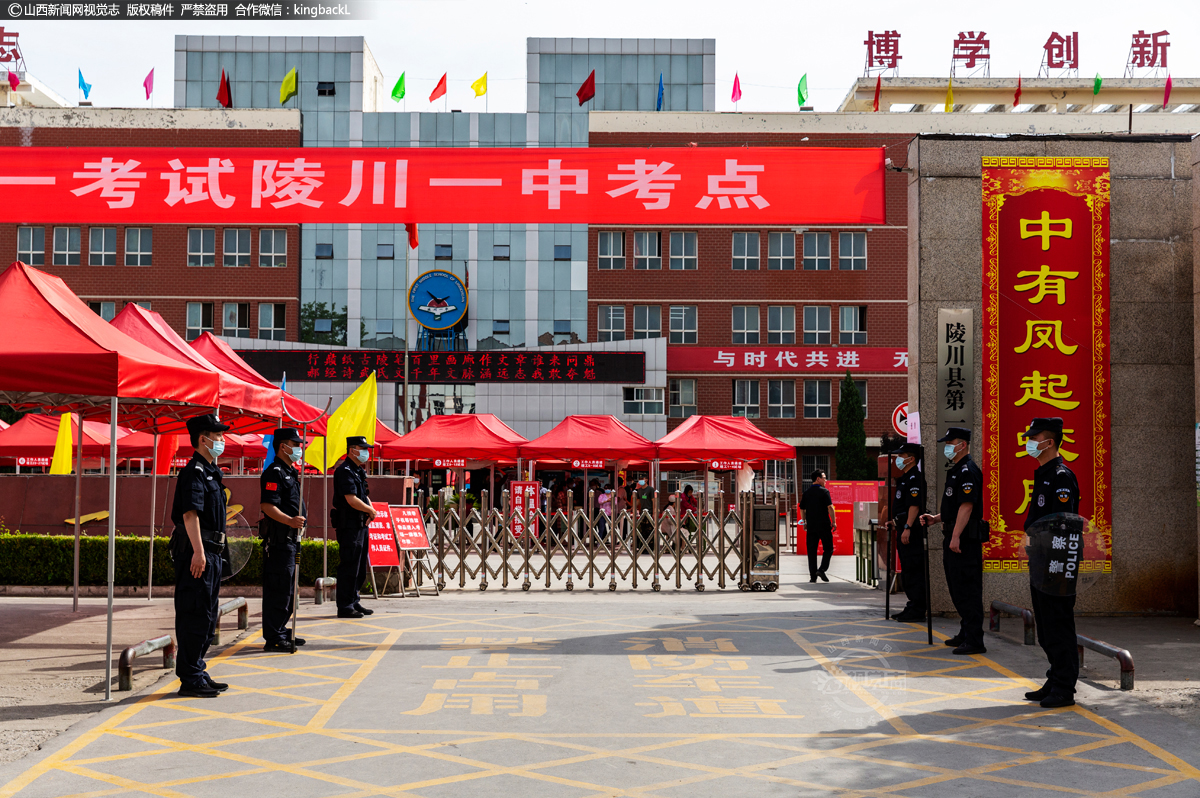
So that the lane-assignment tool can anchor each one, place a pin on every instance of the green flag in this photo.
(1096, 85)
(287, 89)
(802, 90)
(398, 89)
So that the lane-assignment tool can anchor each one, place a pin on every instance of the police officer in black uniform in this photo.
(198, 549)
(352, 513)
(1055, 490)
(908, 502)
(962, 551)
(283, 518)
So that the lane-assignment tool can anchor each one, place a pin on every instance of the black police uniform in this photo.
(964, 569)
(1055, 490)
(815, 504)
(197, 488)
(279, 485)
(910, 492)
(351, 525)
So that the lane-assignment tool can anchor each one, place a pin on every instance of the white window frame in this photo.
(66, 250)
(781, 325)
(197, 254)
(235, 256)
(241, 319)
(820, 335)
(141, 253)
(852, 252)
(610, 323)
(817, 257)
(852, 325)
(272, 257)
(683, 398)
(683, 252)
(746, 402)
(746, 262)
(643, 326)
(28, 252)
(781, 398)
(194, 332)
(277, 329)
(649, 244)
(638, 401)
(781, 252)
(102, 246)
(680, 332)
(821, 406)
(105, 310)
(610, 249)
(745, 324)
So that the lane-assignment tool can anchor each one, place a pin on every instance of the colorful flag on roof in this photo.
(1096, 85)
(13, 80)
(737, 88)
(287, 89)
(588, 90)
(658, 103)
(878, 90)
(1167, 92)
(398, 89)
(480, 86)
(1017, 96)
(224, 97)
(84, 86)
(148, 84)
(440, 89)
(950, 97)
(802, 90)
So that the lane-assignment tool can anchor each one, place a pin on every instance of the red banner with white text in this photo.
(1045, 337)
(604, 185)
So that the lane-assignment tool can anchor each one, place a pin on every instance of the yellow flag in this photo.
(287, 89)
(480, 86)
(950, 97)
(355, 416)
(61, 464)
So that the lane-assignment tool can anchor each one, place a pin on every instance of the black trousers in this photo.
(1055, 619)
(279, 581)
(196, 603)
(912, 564)
(825, 538)
(352, 565)
(964, 578)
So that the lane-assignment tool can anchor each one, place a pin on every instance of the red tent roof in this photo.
(55, 352)
(221, 355)
(721, 438)
(247, 406)
(590, 437)
(36, 435)
(477, 436)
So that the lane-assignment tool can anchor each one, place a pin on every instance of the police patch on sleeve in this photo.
(1064, 495)
(272, 486)
(915, 492)
(949, 490)
(1041, 501)
(967, 487)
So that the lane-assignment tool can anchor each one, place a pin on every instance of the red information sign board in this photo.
(410, 527)
(381, 544)
(525, 498)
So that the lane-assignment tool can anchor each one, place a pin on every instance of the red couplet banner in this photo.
(1045, 337)
(775, 359)
(603, 185)
(381, 543)
(526, 498)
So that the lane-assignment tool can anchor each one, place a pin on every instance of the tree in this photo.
(8, 415)
(311, 312)
(852, 460)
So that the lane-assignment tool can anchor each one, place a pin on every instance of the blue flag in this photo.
(657, 107)
(84, 87)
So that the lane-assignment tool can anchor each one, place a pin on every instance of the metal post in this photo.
(891, 533)
(406, 290)
(928, 601)
(325, 505)
(78, 490)
(153, 498)
(112, 540)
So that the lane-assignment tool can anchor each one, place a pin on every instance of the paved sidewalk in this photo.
(806, 692)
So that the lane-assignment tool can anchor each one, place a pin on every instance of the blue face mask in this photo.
(296, 453)
(949, 450)
(215, 448)
(901, 463)
(1031, 448)
(361, 455)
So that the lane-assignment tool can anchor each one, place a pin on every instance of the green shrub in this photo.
(48, 560)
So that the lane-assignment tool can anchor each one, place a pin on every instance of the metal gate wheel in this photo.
(771, 588)
(482, 586)
(699, 588)
(570, 585)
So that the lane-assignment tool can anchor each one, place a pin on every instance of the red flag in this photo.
(168, 445)
(440, 89)
(588, 90)
(737, 88)
(13, 80)
(878, 88)
(413, 239)
(223, 96)
(1017, 96)
(1166, 93)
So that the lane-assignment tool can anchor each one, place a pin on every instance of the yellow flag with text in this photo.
(355, 416)
(61, 464)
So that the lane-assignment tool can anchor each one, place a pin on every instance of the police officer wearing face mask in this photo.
(1055, 490)
(907, 503)
(352, 513)
(197, 549)
(962, 553)
(283, 518)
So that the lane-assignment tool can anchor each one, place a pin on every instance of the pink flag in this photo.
(13, 80)
(1167, 93)
(148, 84)
(737, 88)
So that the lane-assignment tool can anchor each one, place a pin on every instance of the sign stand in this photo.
(381, 549)
(411, 540)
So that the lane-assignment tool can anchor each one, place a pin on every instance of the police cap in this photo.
(197, 425)
(286, 435)
(358, 440)
(915, 449)
(1051, 425)
(956, 434)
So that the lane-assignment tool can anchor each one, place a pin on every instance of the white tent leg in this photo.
(78, 490)
(112, 542)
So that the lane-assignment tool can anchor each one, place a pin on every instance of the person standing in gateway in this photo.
(352, 513)
(820, 521)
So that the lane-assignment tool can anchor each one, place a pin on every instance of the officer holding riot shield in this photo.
(908, 502)
(1055, 490)
(198, 552)
(283, 518)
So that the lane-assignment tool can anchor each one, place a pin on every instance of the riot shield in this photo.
(240, 542)
(1067, 554)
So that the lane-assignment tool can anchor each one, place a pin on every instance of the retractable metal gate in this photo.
(580, 546)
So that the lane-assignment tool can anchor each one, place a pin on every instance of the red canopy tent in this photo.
(705, 438)
(590, 438)
(246, 406)
(221, 355)
(476, 436)
(35, 436)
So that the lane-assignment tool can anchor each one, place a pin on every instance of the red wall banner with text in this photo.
(1045, 336)
(338, 185)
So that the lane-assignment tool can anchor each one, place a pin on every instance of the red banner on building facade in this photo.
(604, 185)
(1045, 336)
(776, 359)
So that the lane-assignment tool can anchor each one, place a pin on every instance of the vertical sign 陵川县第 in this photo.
(956, 369)
(1045, 338)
